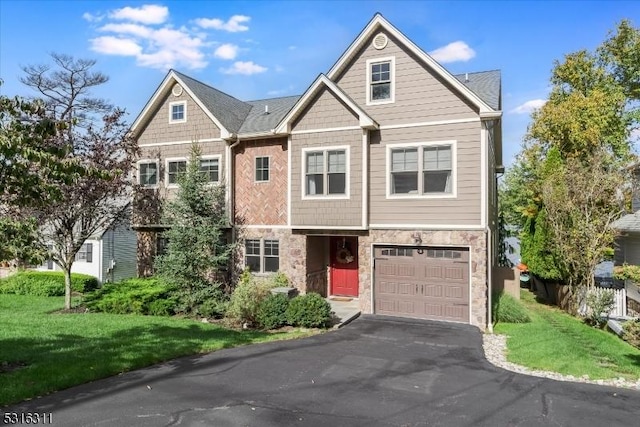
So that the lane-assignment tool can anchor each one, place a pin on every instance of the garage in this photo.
(422, 282)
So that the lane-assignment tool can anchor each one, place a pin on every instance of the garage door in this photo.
(425, 283)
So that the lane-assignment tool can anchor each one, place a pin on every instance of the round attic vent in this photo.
(176, 90)
(380, 41)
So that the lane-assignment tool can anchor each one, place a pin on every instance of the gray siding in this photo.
(197, 126)
(420, 95)
(461, 210)
(327, 212)
(119, 244)
(325, 111)
(630, 249)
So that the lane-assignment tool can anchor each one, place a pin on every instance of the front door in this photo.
(344, 266)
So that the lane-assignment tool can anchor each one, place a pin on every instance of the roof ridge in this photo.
(207, 85)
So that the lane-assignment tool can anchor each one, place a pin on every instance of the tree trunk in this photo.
(67, 288)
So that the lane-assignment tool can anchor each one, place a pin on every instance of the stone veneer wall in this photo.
(293, 249)
(475, 240)
(146, 252)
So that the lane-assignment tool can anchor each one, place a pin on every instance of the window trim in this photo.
(148, 161)
(255, 169)
(209, 157)
(262, 256)
(166, 170)
(392, 70)
(171, 105)
(88, 254)
(325, 150)
(419, 195)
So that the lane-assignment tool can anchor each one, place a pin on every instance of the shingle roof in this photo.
(628, 223)
(258, 121)
(231, 112)
(485, 84)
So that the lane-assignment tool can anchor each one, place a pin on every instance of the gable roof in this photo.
(379, 22)
(485, 84)
(259, 121)
(629, 223)
(227, 112)
(322, 81)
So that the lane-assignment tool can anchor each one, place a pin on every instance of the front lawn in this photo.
(555, 341)
(41, 352)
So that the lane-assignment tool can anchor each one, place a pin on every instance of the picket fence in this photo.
(619, 298)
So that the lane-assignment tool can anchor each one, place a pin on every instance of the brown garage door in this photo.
(426, 283)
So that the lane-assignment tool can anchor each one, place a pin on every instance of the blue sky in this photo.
(260, 49)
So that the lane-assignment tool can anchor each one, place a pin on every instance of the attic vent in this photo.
(380, 41)
(176, 90)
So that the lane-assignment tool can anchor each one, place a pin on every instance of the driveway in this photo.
(375, 371)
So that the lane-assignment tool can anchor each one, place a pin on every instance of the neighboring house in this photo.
(512, 250)
(109, 254)
(627, 250)
(378, 183)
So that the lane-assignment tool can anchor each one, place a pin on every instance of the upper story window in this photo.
(178, 112)
(85, 254)
(380, 81)
(421, 170)
(175, 168)
(262, 256)
(262, 169)
(210, 168)
(148, 173)
(326, 172)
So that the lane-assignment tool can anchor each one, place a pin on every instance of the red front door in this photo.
(344, 266)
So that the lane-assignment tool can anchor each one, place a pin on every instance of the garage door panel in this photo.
(431, 283)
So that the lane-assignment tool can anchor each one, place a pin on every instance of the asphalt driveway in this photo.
(376, 371)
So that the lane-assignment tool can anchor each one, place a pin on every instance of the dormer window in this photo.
(381, 81)
(178, 112)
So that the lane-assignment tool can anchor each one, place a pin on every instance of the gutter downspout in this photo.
(231, 181)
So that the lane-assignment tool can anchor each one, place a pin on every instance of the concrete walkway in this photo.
(344, 310)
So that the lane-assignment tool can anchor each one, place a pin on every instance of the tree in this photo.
(564, 190)
(197, 254)
(95, 135)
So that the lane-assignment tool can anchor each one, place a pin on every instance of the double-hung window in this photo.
(210, 168)
(175, 168)
(85, 254)
(326, 172)
(178, 112)
(422, 169)
(148, 173)
(262, 169)
(380, 80)
(262, 255)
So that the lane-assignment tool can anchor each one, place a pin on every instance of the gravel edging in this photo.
(495, 348)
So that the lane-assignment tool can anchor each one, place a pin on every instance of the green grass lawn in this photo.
(41, 352)
(555, 341)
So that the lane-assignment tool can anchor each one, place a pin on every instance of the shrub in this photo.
(272, 312)
(599, 301)
(280, 280)
(631, 332)
(309, 311)
(46, 283)
(507, 309)
(246, 298)
(627, 272)
(137, 296)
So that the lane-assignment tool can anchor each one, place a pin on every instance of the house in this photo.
(108, 254)
(627, 251)
(378, 183)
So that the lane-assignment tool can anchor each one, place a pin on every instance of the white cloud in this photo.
(293, 47)
(244, 67)
(453, 52)
(146, 14)
(91, 17)
(226, 51)
(635, 135)
(130, 29)
(233, 25)
(529, 106)
(110, 45)
(279, 92)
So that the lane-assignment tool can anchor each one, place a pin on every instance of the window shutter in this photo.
(89, 252)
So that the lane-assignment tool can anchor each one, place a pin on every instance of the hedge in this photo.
(46, 283)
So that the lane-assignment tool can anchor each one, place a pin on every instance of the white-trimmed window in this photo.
(421, 169)
(326, 172)
(262, 169)
(262, 255)
(148, 173)
(381, 80)
(178, 112)
(85, 254)
(210, 168)
(175, 168)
